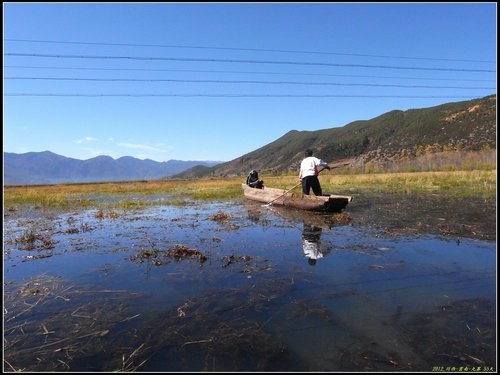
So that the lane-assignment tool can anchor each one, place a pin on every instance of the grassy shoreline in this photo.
(135, 194)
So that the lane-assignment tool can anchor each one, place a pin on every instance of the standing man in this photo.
(309, 170)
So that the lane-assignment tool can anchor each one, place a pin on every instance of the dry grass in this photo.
(462, 183)
(130, 195)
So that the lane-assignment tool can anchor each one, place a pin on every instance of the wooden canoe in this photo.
(280, 197)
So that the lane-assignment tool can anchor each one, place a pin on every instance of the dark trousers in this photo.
(311, 182)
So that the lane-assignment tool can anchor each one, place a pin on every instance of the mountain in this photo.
(395, 135)
(49, 168)
(392, 136)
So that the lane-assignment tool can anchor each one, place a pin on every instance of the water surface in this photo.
(240, 286)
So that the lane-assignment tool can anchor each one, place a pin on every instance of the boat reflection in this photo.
(312, 226)
(260, 212)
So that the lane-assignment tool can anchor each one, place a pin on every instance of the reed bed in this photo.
(461, 183)
(137, 194)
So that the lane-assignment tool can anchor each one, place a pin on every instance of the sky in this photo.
(214, 81)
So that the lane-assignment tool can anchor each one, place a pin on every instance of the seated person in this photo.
(253, 180)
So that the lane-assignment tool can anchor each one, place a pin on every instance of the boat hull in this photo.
(280, 197)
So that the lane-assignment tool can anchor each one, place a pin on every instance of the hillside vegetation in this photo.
(416, 139)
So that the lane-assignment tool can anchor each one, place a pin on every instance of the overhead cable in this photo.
(243, 49)
(190, 59)
(243, 95)
(244, 72)
(240, 82)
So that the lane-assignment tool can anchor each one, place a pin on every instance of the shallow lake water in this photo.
(240, 286)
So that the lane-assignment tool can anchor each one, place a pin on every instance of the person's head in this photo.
(308, 152)
(312, 262)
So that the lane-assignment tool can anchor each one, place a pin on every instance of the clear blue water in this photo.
(367, 302)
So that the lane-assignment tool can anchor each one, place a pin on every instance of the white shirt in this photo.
(309, 166)
(311, 249)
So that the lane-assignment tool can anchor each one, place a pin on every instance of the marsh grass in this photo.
(121, 195)
(139, 194)
(461, 183)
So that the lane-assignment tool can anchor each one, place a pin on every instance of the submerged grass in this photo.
(138, 194)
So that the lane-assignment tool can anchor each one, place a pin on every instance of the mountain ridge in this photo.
(391, 136)
(46, 167)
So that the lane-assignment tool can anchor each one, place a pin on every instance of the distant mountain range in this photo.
(48, 168)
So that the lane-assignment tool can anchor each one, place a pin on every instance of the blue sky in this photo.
(214, 81)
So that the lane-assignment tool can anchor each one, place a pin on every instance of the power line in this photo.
(190, 59)
(241, 82)
(244, 72)
(243, 49)
(243, 95)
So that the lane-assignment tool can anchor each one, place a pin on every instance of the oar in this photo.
(268, 204)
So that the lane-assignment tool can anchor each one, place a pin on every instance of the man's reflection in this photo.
(311, 243)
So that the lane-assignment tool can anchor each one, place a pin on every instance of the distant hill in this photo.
(466, 125)
(49, 168)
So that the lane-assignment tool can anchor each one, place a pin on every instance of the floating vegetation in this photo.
(248, 264)
(179, 252)
(176, 252)
(33, 241)
(340, 218)
(102, 214)
(223, 218)
(145, 254)
(227, 260)
(220, 217)
(50, 326)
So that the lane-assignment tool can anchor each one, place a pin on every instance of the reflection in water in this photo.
(313, 225)
(311, 243)
(255, 304)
